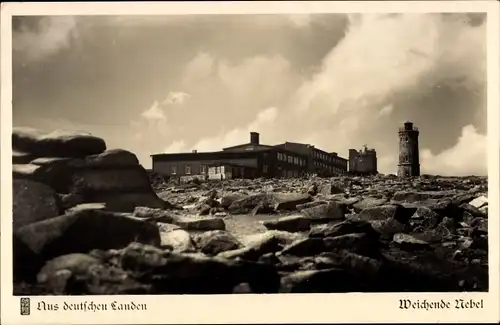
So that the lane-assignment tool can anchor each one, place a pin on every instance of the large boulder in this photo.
(127, 202)
(359, 243)
(280, 201)
(343, 228)
(426, 271)
(426, 218)
(112, 158)
(59, 143)
(19, 157)
(264, 243)
(179, 240)
(194, 273)
(227, 200)
(408, 241)
(317, 281)
(305, 247)
(216, 241)
(84, 230)
(479, 202)
(32, 202)
(95, 181)
(247, 203)
(290, 201)
(289, 223)
(151, 214)
(55, 178)
(325, 212)
(307, 205)
(197, 223)
(329, 189)
(369, 202)
(415, 196)
(25, 262)
(56, 272)
(384, 212)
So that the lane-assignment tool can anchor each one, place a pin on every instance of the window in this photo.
(188, 169)
(264, 168)
(173, 170)
(290, 159)
(203, 169)
(285, 157)
(295, 160)
(279, 155)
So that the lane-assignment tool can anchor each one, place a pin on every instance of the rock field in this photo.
(88, 220)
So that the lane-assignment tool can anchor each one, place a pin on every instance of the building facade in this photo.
(318, 161)
(251, 160)
(223, 170)
(409, 160)
(363, 161)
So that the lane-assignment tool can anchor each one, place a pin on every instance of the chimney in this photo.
(195, 151)
(254, 138)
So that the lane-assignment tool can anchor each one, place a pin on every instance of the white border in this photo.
(290, 308)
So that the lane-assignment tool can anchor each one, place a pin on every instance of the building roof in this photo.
(256, 147)
(305, 146)
(206, 155)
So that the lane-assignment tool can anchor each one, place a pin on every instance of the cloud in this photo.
(263, 121)
(378, 57)
(199, 68)
(386, 110)
(467, 157)
(387, 69)
(154, 112)
(175, 147)
(385, 66)
(262, 76)
(42, 36)
(176, 98)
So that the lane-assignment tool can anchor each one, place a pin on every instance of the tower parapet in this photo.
(409, 161)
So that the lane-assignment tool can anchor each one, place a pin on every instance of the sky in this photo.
(177, 83)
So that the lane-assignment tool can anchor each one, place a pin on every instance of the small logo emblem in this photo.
(25, 306)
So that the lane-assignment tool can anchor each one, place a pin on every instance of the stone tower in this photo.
(409, 164)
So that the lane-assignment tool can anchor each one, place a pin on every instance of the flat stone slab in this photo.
(58, 143)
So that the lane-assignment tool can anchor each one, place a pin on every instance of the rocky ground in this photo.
(88, 220)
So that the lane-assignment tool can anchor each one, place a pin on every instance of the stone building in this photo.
(319, 161)
(409, 161)
(363, 161)
(251, 160)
